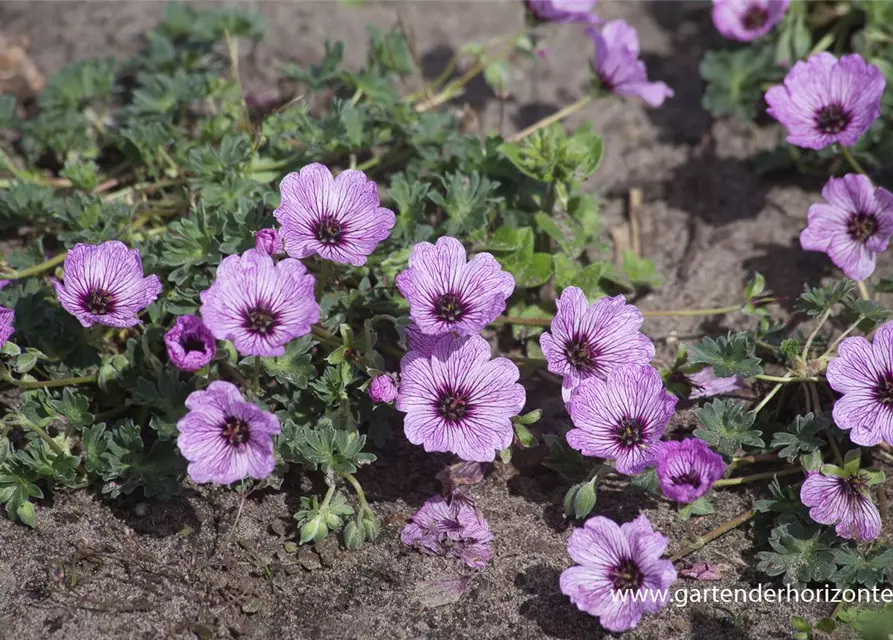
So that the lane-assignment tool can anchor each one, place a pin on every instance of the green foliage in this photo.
(818, 300)
(735, 80)
(800, 554)
(731, 355)
(800, 438)
(727, 426)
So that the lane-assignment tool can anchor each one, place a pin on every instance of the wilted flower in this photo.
(339, 219)
(3, 283)
(747, 20)
(190, 344)
(618, 67)
(104, 284)
(852, 226)
(562, 10)
(461, 474)
(705, 384)
(686, 470)
(589, 341)
(446, 293)
(268, 241)
(382, 389)
(825, 100)
(863, 373)
(842, 500)
(704, 571)
(416, 340)
(460, 400)
(260, 304)
(619, 573)
(456, 530)
(621, 418)
(6, 319)
(225, 438)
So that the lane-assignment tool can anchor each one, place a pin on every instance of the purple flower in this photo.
(6, 329)
(562, 10)
(705, 384)
(3, 283)
(686, 470)
(190, 344)
(619, 573)
(225, 438)
(260, 304)
(824, 100)
(747, 20)
(382, 389)
(338, 219)
(418, 341)
(618, 67)
(588, 341)
(269, 242)
(104, 284)
(842, 500)
(456, 530)
(863, 373)
(446, 293)
(459, 400)
(621, 418)
(853, 224)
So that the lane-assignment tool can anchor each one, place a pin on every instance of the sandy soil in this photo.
(176, 570)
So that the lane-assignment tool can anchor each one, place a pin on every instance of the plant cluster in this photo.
(221, 288)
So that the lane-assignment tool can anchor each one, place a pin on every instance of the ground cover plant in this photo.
(228, 291)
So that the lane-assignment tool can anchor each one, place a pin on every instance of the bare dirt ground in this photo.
(176, 569)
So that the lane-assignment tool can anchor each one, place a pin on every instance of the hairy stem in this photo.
(843, 335)
(852, 160)
(700, 541)
(49, 384)
(37, 269)
(786, 379)
(361, 496)
(863, 289)
(767, 475)
(769, 396)
(43, 436)
(559, 115)
(328, 498)
(822, 319)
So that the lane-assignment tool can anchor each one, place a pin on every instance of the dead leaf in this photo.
(19, 75)
(442, 591)
(463, 473)
(705, 571)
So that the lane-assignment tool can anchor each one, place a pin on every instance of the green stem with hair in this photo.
(50, 384)
(551, 119)
(701, 541)
(848, 156)
(361, 496)
(768, 475)
(812, 336)
(43, 435)
(785, 380)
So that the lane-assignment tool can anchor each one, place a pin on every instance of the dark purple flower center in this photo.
(755, 18)
(689, 478)
(832, 119)
(328, 230)
(883, 391)
(191, 342)
(627, 576)
(449, 307)
(235, 431)
(99, 302)
(453, 405)
(861, 226)
(261, 320)
(630, 431)
(579, 354)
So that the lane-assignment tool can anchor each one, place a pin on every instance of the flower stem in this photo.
(768, 397)
(328, 498)
(361, 496)
(767, 475)
(863, 289)
(49, 384)
(36, 269)
(882, 504)
(43, 436)
(822, 319)
(701, 541)
(559, 115)
(843, 335)
(852, 160)
(786, 379)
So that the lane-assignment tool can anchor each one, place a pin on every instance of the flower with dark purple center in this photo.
(454, 529)
(590, 340)
(458, 399)
(618, 67)
(225, 438)
(260, 304)
(190, 344)
(7, 316)
(621, 418)
(686, 470)
(842, 498)
(619, 573)
(338, 219)
(825, 100)
(863, 373)
(447, 293)
(747, 20)
(852, 226)
(104, 284)
(562, 10)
